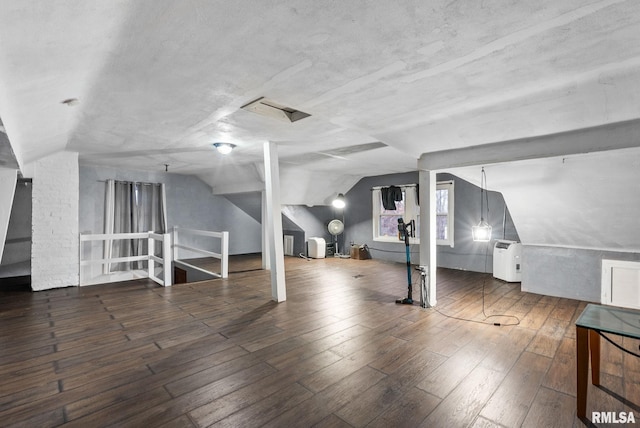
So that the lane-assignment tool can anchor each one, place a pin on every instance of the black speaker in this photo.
(331, 249)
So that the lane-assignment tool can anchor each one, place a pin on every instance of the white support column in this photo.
(274, 222)
(427, 193)
(174, 242)
(55, 255)
(266, 260)
(224, 251)
(167, 265)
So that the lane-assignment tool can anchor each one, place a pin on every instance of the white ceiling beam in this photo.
(613, 136)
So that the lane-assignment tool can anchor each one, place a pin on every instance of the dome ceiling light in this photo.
(224, 148)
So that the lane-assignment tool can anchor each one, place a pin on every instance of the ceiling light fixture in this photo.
(482, 232)
(224, 148)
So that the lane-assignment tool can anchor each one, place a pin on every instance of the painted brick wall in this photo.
(54, 251)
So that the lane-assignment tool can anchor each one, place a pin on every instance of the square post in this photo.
(274, 222)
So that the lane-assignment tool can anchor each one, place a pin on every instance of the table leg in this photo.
(582, 360)
(594, 348)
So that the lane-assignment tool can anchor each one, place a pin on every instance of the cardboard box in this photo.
(360, 252)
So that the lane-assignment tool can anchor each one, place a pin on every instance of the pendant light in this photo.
(339, 202)
(482, 232)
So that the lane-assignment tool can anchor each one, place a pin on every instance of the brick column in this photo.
(54, 248)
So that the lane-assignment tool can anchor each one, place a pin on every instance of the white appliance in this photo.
(507, 261)
(317, 248)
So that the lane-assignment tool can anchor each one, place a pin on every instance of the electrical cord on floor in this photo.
(393, 251)
(484, 281)
(486, 317)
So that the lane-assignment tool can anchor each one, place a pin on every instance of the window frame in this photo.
(410, 204)
(449, 186)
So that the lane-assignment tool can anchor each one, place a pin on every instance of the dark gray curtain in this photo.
(138, 207)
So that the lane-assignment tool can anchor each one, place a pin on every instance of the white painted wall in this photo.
(589, 201)
(54, 251)
(16, 259)
(571, 212)
(572, 273)
(7, 191)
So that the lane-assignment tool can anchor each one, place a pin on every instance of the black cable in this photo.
(617, 346)
(482, 194)
(484, 179)
(392, 251)
(497, 315)
(517, 322)
(484, 282)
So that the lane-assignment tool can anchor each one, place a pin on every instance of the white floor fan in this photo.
(335, 227)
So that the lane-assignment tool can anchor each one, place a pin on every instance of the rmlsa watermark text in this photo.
(613, 418)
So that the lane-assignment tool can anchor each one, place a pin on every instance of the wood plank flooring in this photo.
(338, 353)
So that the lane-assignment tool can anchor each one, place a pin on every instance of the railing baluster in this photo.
(170, 245)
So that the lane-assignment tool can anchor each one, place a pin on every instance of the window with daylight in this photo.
(385, 215)
(401, 203)
(444, 213)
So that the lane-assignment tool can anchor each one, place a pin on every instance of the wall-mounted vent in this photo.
(621, 283)
(265, 107)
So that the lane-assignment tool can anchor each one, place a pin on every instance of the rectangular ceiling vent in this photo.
(274, 110)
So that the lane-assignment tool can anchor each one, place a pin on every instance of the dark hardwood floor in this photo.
(338, 353)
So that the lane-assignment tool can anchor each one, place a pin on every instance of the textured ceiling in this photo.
(158, 81)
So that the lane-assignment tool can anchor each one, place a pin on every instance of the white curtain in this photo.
(135, 207)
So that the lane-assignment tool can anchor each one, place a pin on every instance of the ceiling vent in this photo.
(265, 107)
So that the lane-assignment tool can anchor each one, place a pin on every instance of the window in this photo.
(388, 226)
(130, 208)
(444, 213)
(385, 221)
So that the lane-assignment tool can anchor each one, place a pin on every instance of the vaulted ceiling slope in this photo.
(589, 201)
(141, 84)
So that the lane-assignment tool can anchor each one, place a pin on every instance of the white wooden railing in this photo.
(223, 255)
(150, 257)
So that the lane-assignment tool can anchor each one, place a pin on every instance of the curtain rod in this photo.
(402, 186)
(132, 182)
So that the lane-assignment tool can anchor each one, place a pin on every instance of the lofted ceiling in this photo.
(141, 84)
(587, 200)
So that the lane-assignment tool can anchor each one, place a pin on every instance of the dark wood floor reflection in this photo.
(338, 353)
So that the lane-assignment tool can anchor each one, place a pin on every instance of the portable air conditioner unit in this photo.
(507, 261)
(317, 248)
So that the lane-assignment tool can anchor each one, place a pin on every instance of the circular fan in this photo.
(336, 227)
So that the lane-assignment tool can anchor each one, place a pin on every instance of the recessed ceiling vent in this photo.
(269, 108)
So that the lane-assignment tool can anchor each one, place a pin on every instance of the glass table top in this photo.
(610, 319)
